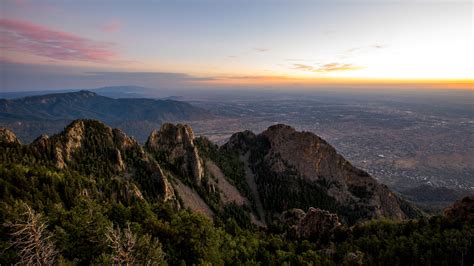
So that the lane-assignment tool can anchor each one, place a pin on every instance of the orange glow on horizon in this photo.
(281, 81)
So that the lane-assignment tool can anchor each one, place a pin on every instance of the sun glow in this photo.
(315, 43)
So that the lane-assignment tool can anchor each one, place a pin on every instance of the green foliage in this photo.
(229, 162)
(238, 213)
(434, 241)
(273, 188)
(80, 204)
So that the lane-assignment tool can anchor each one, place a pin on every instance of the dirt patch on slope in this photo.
(191, 199)
(229, 191)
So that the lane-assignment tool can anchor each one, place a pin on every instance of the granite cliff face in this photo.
(89, 144)
(300, 170)
(88, 136)
(174, 144)
(7, 136)
(254, 176)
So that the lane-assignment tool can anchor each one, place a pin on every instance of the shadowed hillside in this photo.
(35, 115)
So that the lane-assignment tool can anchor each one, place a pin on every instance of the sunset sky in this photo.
(82, 44)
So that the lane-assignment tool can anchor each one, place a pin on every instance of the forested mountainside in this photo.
(33, 115)
(278, 197)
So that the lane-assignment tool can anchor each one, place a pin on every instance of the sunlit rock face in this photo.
(306, 171)
(175, 145)
(88, 144)
(8, 136)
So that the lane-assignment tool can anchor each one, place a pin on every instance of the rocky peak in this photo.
(175, 145)
(73, 136)
(170, 134)
(122, 140)
(462, 209)
(280, 129)
(242, 141)
(85, 128)
(41, 142)
(6, 135)
(294, 163)
(314, 157)
(89, 135)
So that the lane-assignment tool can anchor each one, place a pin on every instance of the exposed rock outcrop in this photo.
(86, 142)
(315, 224)
(174, 145)
(6, 135)
(462, 209)
(278, 170)
(89, 136)
(300, 165)
(168, 192)
(73, 136)
(122, 140)
(41, 142)
(317, 161)
(242, 141)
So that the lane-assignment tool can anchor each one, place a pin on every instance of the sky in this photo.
(227, 44)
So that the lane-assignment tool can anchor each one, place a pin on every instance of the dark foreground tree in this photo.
(31, 239)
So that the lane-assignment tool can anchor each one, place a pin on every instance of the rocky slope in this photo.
(93, 148)
(461, 210)
(252, 177)
(300, 170)
(7, 136)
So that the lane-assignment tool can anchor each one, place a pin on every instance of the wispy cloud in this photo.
(352, 50)
(112, 26)
(331, 67)
(303, 67)
(378, 46)
(260, 49)
(26, 37)
(365, 48)
(299, 60)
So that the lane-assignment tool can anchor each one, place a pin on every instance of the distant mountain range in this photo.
(51, 112)
(125, 91)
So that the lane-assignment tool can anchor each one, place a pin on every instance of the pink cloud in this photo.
(112, 26)
(26, 37)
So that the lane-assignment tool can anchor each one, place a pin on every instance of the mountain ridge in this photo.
(31, 116)
(91, 179)
(81, 104)
(306, 170)
(305, 164)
